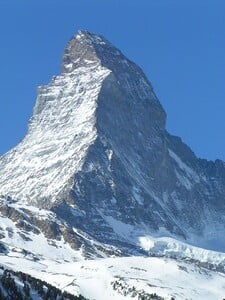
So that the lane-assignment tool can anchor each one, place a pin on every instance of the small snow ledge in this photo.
(185, 174)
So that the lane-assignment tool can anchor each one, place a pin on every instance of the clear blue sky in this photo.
(180, 45)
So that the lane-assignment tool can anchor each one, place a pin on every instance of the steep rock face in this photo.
(60, 132)
(98, 155)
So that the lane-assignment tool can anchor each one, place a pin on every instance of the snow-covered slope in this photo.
(60, 132)
(20, 286)
(126, 278)
(98, 175)
(171, 268)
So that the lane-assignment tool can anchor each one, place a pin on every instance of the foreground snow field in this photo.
(125, 277)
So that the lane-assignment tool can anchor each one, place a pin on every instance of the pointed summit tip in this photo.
(89, 50)
(86, 46)
(78, 50)
(93, 38)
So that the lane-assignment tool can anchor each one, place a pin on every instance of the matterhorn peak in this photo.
(95, 95)
(98, 155)
(98, 175)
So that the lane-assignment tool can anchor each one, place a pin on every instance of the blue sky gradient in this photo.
(180, 45)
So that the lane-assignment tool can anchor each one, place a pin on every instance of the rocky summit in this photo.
(98, 173)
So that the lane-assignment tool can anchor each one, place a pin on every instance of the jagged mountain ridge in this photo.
(98, 158)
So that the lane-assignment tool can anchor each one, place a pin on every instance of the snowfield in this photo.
(125, 277)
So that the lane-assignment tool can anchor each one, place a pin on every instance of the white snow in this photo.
(94, 279)
(37, 245)
(162, 244)
(60, 132)
(146, 243)
(185, 174)
(120, 228)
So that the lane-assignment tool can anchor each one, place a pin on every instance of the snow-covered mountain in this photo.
(98, 174)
